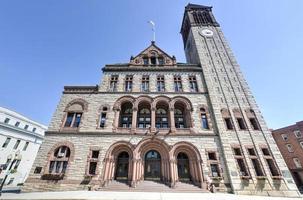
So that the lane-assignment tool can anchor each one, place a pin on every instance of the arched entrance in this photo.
(152, 168)
(122, 166)
(183, 167)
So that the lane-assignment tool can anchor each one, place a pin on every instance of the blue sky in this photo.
(45, 45)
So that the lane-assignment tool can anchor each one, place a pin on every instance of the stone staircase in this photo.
(151, 186)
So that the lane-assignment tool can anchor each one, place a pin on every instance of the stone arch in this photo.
(183, 100)
(121, 100)
(110, 160)
(161, 104)
(77, 105)
(159, 99)
(186, 105)
(142, 99)
(195, 161)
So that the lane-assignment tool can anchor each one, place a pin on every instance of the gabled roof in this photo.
(150, 51)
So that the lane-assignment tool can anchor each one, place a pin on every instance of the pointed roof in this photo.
(153, 51)
(191, 6)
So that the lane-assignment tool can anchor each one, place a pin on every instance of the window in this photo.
(17, 144)
(95, 154)
(179, 118)
(59, 161)
(213, 164)
(17, 163)
(297, 163)
(228, 123)
(26, 127)
(145, 83)
(92, 168)
(178, 84)
(7, 163)
(153, 60)
(37, 170)
(252, 119)
(255, 161)
(214, 170)
(301, 143)
(162, 117)
(145, 61)
(6, 120)
(25, 146)
(160, 84)
(161, 61)
(241, 123)
(284, 137)
(212, 156)
(240, 162)
(126, 115)
(128, 83)
(6, 142)
(73, 119)
(11, 180)
(298, 134)
(17, 124)
(253, 123)
(114, 83)
(289, 148)
(204, 120)
(93, 162)
(144, 116)
(34, 130)
(193, 84)
(102, 120)
(271, 164)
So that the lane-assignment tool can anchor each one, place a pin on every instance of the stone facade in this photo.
(195, 122)
(290, 142)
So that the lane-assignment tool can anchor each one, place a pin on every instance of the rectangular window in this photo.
(289, 148)
(254, 123)
(145, 83)
(193, 84)
(160, 84)
(284, 137)
(17, 164)
(161, 61)
(251, 152)
(92, 168)
(26, 127)
(297, 163)
(69, 119)
(145, 61)
(128, 83)
(241, 123)
(34, 130)
(204, 121)
(17, 124)
(153, 60)
(270, 162)
(114, 83)
(38, 170)
(240, 161)
(265, 152)
(301, 143)
(77, 119)
(214, 170)
(298, 134)
(255, 161)
(102, 120)
(25, 146)
(6, 142)
(17, 144)
(178, 84)
(6, 120)
(237, 151)
(212, 156)
(73, 120)
(95, 154)
(228, 123)
(10, 181)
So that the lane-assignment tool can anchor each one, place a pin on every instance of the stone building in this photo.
(290, 142)
(20, 139)
(154, 119)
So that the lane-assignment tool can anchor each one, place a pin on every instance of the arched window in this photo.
(162, 117)
(144, 116)
(126, 115)
(73, 115)
(103, 116)
(59, 160)
(204, 120)
(180, 121)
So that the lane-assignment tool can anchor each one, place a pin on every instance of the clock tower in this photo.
(251, 160)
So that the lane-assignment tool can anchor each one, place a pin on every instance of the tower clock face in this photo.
(207, 32)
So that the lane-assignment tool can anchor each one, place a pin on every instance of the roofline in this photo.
(287, 127)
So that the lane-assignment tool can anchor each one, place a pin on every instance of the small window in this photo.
(289, 148)
(204, 120)
(215, 172)
(73, 120)
(17, 124)
(25, 146)
(128, 83)
(251, 152)
(145, 83)
(297, 163)
(237, 151)
(178, 84)
(145, 61)
(242, 167)
(10, 181)
(92, 168)
(34, 130)
(254, 123)
(212, 156)
(284, 137)
(228, 123)
(6, 142)
(37, 170)
(160, 84)
(193, 84)
(241, 123)
(272, 167)
(95, 154)
(298, 134)
(301, 143)
(17, 144)
(161, 61)
(26, 127)
(6, 120)
(153, 60)
(102, 120)
(17, 163)
(257, 167)
(265, 152)
(113, 83)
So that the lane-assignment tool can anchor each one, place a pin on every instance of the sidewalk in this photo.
(110, 195)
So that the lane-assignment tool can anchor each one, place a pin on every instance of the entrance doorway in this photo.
(122, 166)
(183, 167)
(152, 168)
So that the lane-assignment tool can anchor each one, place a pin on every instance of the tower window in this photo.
(59, 161)
(126, 115)
(212, 156)
(17, 124)
(145, 83)
(113, 83)
(102, 119)
(145, 61)
(240, 161)
(6, 120)
(193, 84)
(128, 83)
(178, 84)
(254, 123)
(204, 120)
(6, 142)
(153, 60)
(160, 84)
(17, 144)
(241, 123)
(228, 124)
(25, 146)
(255, 161)
(161, 60)
(73, 119)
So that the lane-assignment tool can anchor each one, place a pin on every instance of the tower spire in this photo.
(153, 29)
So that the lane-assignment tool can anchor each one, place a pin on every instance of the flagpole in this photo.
(153, 29)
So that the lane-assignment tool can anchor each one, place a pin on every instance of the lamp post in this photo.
(16, 157)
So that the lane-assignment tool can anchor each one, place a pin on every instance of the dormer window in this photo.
(153, 60)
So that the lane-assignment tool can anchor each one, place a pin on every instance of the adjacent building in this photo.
(290, 142)
(20, 139)
(155, 119)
